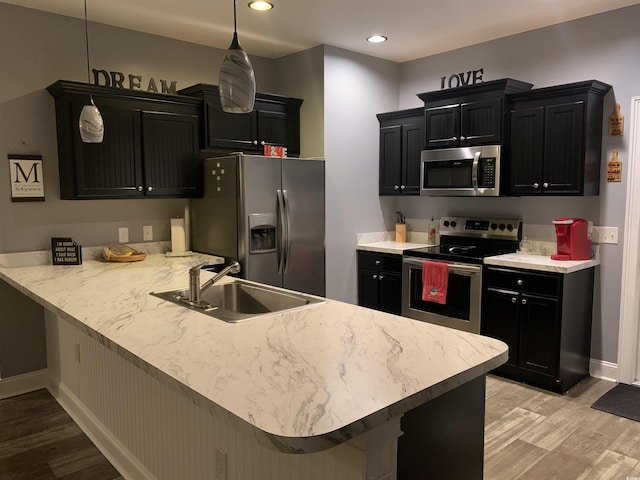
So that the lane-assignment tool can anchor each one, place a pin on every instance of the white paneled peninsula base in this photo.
(331, 391)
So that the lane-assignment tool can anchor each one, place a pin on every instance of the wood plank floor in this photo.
(39, 441)
(529, 434)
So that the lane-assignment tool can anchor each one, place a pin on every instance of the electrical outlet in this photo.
(123, 234)
(147, 233)
(606, 235)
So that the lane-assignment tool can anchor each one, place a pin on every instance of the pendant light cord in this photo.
(235, 30)
(86, 38)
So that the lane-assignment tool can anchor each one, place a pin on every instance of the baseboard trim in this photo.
(118, 455)
(24, 383)
(603, 370)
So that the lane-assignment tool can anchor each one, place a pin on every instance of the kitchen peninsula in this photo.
(322, 390)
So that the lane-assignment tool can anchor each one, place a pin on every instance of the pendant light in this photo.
(237, 82)
(90, 124)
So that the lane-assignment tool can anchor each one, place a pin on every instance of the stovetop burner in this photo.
(470, 240)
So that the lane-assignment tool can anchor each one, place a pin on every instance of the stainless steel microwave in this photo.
(465, 171)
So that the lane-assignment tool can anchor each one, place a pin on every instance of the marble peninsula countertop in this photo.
(301, 381)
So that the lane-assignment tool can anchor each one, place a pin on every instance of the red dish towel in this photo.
(435, 277)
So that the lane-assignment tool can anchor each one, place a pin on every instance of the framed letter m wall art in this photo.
(27, 178)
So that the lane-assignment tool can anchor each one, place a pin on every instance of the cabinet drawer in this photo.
(523, 281)
(380, 261)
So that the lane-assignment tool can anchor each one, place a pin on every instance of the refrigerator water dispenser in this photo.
(262, 227)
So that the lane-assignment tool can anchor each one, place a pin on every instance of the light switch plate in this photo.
(147, 233)
(123, 234)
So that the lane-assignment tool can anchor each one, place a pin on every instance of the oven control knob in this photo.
(510, 227)
(494, 226)
(501, 226)
(453, 223)
(446, 223)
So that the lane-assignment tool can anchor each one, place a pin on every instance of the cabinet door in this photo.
(481, 122)
(230, 130)
(272, 129)
(368, 288)
(500, 320)
(526, 151)
(113, 168)
(564, 148)
(390, 292)
(442, 126)
(172, 163)
(390, 160)
(539, 334)
(412, 145)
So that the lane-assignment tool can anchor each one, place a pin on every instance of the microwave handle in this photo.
(474, 170)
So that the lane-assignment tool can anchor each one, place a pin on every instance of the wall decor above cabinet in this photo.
(401, 141)
(275, 120)
(150, 146)
(556, 139)
(469, 115)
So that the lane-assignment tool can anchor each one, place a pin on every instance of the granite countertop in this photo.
(542, 263)
(301, 381)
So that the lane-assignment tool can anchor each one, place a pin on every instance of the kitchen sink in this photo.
(240, 300)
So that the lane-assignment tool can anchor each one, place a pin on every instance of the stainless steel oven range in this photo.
(464, 243)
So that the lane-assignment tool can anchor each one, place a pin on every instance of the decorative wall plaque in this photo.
(27, 179)
(64, 251)
(614, 168)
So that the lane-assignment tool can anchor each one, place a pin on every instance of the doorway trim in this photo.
(629, 298)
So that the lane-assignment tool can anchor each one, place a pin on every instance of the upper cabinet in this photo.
(150, 146)
(275, 120)
(555, 140)
(401, 141)
(468, 116)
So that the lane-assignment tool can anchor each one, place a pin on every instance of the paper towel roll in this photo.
(177, 235)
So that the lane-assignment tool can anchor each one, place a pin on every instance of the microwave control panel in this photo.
(487, 174)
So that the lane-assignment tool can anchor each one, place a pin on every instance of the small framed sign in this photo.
(27, 178)
(64, 251)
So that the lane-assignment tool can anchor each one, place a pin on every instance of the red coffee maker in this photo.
(572, 235)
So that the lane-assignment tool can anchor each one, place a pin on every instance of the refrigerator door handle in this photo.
(280, 232)
(287, 230)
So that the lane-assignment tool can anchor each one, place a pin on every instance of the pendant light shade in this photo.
(90, 123)
(237, 82)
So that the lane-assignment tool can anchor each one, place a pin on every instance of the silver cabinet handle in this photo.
(375, 277)
(536, 185)
(513, 299)
(149, 188)
(524, 301)
(140, 188)
(520, 281)
(545, 185)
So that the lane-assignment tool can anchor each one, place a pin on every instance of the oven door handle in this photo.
(453, 267)
(474, 170)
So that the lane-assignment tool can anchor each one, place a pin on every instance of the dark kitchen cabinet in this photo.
(555, 140)
(545, 319)
(468, 116)
(401, 141)
(150, 146)
(380, 281)
(275, 120)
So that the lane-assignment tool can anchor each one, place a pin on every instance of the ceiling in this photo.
(415, 28)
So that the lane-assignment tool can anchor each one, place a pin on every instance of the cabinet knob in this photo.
(396, 187)
(462, 138)
(402, 187)
(455, 139)
(149, 188)
(524, 301)
(545, 185)
(262, 143)
(140, 188)
(513, 299)
(381, 277)
(520, 281)
(255, 142)
(377, 262)
(536, 185)
(374, 276)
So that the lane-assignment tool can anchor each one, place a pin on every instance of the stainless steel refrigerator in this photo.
(268, 213)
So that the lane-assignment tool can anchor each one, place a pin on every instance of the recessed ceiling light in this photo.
(376, 39)
(261, 5)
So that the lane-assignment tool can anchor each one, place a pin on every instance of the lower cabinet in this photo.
(545, 319)
(380, 281)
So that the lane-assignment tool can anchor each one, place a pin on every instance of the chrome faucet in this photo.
(195, 289)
